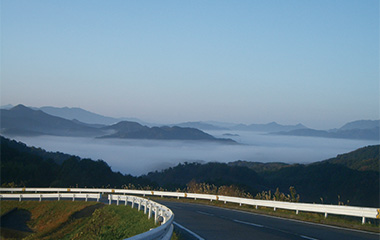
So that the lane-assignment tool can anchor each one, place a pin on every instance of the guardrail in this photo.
(57, 196)
(161, 213)
(362, 212)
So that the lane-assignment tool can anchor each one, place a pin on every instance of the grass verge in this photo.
(73, 220)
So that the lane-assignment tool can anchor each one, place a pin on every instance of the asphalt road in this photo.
(210, 223)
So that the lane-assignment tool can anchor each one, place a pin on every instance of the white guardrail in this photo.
(362, 212)
(161, 213)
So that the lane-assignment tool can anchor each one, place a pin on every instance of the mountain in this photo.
(260, 167)
(269, 127)
(345, 133)
(30, 167)
(349, 178)
(363, 159)
(22, 148)
(361, 124)
(21, 120)
(212, 173)
(84, 115)
(125, 127)
(133, 130)
(199, 125)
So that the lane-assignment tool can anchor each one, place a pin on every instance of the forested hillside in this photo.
(363, 159)
(349, 179)
(33, 167)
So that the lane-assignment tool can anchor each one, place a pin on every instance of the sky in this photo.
(314, 62)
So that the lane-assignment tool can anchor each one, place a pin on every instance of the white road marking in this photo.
(309, 238)
(295, 220)
(204, 213)
(189, 231)
(248, 223)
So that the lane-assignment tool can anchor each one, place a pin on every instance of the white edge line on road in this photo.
(248, 223)
(189, 231)
(309, 238)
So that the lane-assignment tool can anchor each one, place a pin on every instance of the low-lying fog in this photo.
(138, 157)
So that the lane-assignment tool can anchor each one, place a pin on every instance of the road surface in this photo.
(209, 223)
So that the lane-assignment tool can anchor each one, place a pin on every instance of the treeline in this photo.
(342, 180)
(33, 167)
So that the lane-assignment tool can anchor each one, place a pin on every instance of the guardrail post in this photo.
(240, 204)
(150, 211)
(145, 206)
(73, 197)
(40, 197)
(59, 196)
(363, 220)
(133, 202)
(274, 209)
(297, 211)
(86, 197)
(117, 200)
(139, 208)
(155, 215)
(325, 214)
(126, 201)
(20, 198)
(110, 199)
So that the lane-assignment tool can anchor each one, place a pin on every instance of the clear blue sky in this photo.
(314, 61)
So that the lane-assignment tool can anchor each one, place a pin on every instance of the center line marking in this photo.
(204, 213)
(248, 223)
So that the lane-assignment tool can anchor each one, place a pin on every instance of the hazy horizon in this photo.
(211, 121)
(311, 62)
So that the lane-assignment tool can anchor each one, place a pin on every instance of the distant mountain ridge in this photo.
(135, 130)
(269, 127)
(21, 120)
(361, 124)
(199, 125)
(362, 129)
(85, 116)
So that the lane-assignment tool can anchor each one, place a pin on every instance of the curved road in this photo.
(210, 223)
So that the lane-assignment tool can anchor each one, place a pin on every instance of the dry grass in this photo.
(78, 220)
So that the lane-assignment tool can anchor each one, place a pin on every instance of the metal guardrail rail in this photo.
(362, 212)
(161, 213)
(58, 196)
